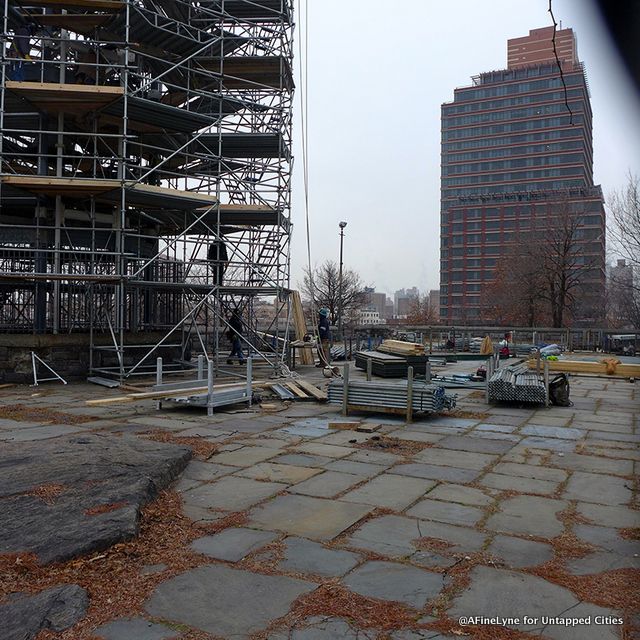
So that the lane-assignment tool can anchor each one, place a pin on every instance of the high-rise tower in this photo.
(516, 149)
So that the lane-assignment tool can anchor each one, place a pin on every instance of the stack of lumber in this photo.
(386, 365)
(604, 367)
(516, 384)
(400, 348)
(297, 389)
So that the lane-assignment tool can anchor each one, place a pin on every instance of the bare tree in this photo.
(546, 275)
(624, 238)
(322, 286)
(421, 312)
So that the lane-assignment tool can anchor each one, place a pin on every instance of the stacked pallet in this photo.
(401, 348)
(386, 365)
(426, 398)
(516, 384)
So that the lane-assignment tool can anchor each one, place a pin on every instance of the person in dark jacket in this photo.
(234, 333)
(218, 255)
(324, 334)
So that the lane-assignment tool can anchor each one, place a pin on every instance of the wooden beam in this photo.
(318, 394)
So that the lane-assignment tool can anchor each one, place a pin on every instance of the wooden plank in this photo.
(300, 325)
(368, 428)
(583, 366)
(292, 386)
(83, 23)
(318, 394)
(159, 395)
(114, 5)
(344, 425)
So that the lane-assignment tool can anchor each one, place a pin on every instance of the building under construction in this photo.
(145, 180)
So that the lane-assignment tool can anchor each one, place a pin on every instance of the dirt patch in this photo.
(104, 508)
(202, 449)
(432, 544)
(23, 413)
(632, 533)
(334, 600)
(114, 579)
(396, 446)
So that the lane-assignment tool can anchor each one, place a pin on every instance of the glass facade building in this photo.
(515, 144)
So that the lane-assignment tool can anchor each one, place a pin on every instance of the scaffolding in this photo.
(145, 178)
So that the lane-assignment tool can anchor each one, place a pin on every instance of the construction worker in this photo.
(324, 334)
(234, 333)
(20, 51)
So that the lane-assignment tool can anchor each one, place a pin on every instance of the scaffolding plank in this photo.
(72, 98)
(83, 23)
(111, 5)
(251, 72)
(246, 145)
(50, 186)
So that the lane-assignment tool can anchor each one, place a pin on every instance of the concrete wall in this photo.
(67, 354)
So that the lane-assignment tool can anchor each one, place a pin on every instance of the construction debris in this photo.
(387, 365)
(607, 366)
(401, 348)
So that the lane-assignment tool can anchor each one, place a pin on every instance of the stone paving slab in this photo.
(435, 472)
(609, 516)
(286, 473)
(44, 432)
(328, 450)
(362, 469)
(452, 423)
(515, 483)
(324, 628)
(530, 471)
(475, 445)
(225, 602)
(374, 457)
(305, 556)
(302, 460)
(460, 459)
(594, 487)
(608, 539)
(389, 535)
(528, 515)
(601, 561)
(548, 444)
(244, 456)
(553, 432)
(396, 582)
(510, 594)
(518, 553)
(461, 494)
(501, 428)
(138, 628)
(416, 436)
(231, 493)
(592, 464)
(617, 437)
(344, 437)
(232, 544)
(390, 491)
(199, 470)
(446, 512)
(308, 517)
(326, 485)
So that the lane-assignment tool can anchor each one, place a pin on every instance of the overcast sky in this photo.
(376, 79)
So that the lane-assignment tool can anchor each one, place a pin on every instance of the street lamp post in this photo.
(342, 226)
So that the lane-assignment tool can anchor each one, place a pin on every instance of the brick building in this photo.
(513, 157)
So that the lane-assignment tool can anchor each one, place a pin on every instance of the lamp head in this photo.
(343, 224)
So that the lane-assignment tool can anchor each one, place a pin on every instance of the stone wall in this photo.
(67, 354)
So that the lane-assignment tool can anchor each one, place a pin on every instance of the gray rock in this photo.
(232, 544)
(305, 556)
(23, 616)
(514, 595)
(225, 602)
(396, 582)
(517, 553)
(117, 474)
(138, 628)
